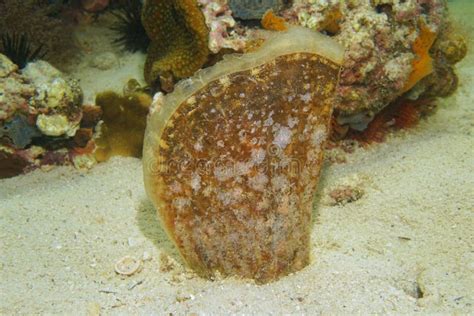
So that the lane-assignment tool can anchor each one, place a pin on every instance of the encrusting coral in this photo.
(123, 127)
(179, 39)
(232, 156)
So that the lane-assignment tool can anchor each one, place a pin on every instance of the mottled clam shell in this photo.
(232, 156)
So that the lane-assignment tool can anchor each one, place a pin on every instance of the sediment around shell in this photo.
(232, 157)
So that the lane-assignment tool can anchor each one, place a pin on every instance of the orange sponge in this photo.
(422, 65)
(272, 22)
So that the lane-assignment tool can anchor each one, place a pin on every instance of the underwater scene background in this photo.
(377, 112)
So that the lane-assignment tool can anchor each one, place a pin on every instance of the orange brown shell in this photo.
(233, 169)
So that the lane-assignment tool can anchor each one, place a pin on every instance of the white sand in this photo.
(411, 233)
(103, 65)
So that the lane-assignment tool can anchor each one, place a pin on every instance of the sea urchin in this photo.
(129, 28)
(18, 49)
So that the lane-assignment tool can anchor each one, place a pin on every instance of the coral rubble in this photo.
(232, 156)
(179, 39)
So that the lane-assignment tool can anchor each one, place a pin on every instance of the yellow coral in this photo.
(422, 65)
(124, 121)
(179, 38)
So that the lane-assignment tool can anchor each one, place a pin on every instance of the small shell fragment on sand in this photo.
(232, 156)
(128, 265)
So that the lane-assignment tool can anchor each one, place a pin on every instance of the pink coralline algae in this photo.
(224, 32)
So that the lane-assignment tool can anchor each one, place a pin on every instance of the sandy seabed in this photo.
(406, 246)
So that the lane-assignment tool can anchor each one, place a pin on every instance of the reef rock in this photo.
(390, 51)
(393, 48)
(15, 90)
(40, 114)
(232, 156)
(57, 99)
